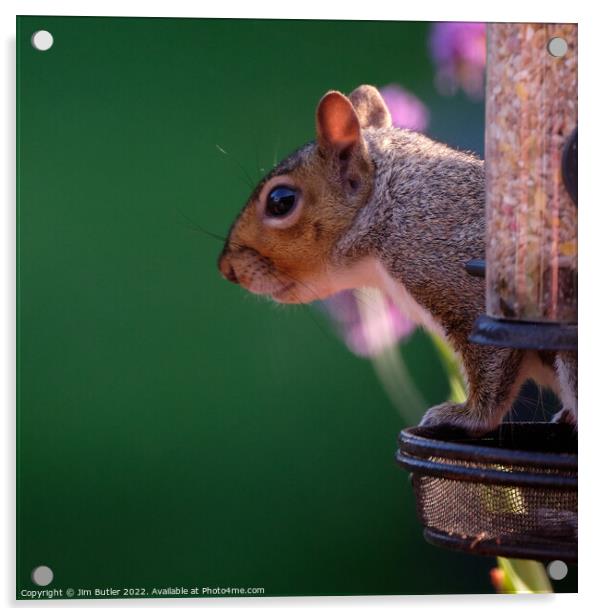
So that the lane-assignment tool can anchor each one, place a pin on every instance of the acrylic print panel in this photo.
(177, 437)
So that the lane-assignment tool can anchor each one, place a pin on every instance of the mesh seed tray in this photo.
(511, 493)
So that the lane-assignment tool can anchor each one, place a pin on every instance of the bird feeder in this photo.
(531, 179)
(513, 492)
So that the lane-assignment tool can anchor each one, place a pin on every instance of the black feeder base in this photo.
(510, 493)
(524, 335)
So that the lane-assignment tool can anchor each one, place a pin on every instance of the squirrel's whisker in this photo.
(249, 180)
(197, 227)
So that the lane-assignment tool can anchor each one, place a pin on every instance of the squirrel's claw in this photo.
(565, 416)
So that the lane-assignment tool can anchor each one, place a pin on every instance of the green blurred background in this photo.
(173, 429)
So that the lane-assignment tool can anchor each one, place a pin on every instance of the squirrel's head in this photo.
(282, 242)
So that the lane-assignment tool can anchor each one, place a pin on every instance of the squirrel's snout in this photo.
(226, 268)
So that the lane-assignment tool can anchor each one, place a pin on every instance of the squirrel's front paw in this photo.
(455, 415)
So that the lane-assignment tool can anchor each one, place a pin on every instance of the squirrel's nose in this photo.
(226, 268)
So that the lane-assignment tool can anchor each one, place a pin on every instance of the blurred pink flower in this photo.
(459, 51)
(368, 321)
(407, 110)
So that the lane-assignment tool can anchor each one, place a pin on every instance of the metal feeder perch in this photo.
(513, 492)
(510, 493)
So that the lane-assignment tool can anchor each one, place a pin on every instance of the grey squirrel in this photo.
(370, 205)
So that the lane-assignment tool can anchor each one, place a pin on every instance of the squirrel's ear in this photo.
(370, 107)
(337, 124)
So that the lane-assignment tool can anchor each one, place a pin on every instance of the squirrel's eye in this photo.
(281, 201)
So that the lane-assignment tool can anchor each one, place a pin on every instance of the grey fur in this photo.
(424, 219)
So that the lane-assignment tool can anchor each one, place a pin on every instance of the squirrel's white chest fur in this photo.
(372, 273)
